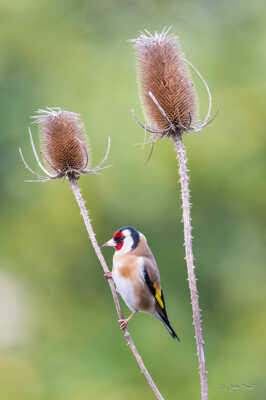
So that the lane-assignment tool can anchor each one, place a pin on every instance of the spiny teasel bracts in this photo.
(63, 142)
(163, 72)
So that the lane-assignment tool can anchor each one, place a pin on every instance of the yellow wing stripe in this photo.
(158, 295)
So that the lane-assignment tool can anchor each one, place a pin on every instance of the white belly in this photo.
(125, 289)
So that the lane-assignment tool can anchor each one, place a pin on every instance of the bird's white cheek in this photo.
(127, 246)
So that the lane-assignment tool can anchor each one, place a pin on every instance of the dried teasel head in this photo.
(64, 145)
(63, 140)
(166, 89)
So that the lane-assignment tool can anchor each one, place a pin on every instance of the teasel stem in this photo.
(88, 224)
(184, 183)
(65, 149)
(170, 107)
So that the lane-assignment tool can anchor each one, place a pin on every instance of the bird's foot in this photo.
(108, 275)
(123, 323)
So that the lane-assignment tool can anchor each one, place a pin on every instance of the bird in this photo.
(136, 276)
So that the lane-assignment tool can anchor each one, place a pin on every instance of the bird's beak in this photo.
(110, 243)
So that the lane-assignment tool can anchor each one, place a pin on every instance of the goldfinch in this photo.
(136, 276)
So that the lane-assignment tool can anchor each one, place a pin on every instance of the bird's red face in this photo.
(119, 238)
(117, 241)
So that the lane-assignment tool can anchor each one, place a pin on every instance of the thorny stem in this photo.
(87, 222)
(184, 182)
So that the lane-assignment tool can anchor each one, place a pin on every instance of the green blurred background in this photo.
(59, 338)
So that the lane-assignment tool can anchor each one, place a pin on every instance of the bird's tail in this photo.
(167, 324)
(171, 331)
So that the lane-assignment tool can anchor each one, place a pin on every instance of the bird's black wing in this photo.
(160, 303)
(155, 291)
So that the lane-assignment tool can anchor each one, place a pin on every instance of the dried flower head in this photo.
(63, 144)
(63, 141)
(166, 89)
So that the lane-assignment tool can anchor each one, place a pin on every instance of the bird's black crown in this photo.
(134, 234)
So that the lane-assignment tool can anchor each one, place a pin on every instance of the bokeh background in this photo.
(59, 338)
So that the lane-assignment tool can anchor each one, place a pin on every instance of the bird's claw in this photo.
(108, 275)
(123, 323)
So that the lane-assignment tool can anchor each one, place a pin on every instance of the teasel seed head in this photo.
(63, 141)
(166, 89)
(163, 73)
(64, 146)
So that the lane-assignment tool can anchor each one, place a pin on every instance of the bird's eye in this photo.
(118, 237)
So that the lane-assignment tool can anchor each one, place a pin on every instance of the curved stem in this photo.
(204, 122)
(87, 222)
(36, 155)
(184, 182)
